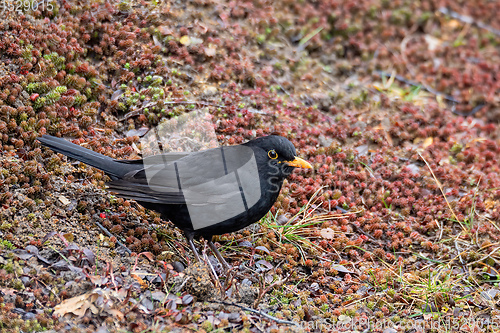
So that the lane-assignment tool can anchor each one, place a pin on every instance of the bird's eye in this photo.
(272, 154)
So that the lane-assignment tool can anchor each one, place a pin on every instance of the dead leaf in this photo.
(69, 237)
(341, 269)
(65, 201)
(148, 255)
(165, 30)
(428, 142)
(97, 300)
(441, 101)
(490, 204)
(185, 40)
(210, 51)
(94, 309)
(187, 299)
(98, 280)
(432, 42)
(77, 305)
(327, 233)
(196, 41)
(263, 248)
(140, 280)
(452, 24)
(245, 243)
(344, 319)
(411, 278)
(116, 313)
(264, 263)
(470, 143)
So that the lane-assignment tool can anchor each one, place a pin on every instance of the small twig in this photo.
(416, 84)
(468, 20)
(62, 255)
(195, 102)
(213, 274)
(442, 191)
(51, 290)
(257, 326)
(459, 252)
(263, 291)
(131, 114)
(110, 269)
(111, 235)
(184, 282)
(167, 273)
(483, 258)
(279, 321)
(182, 251)
(440, 226)
(148, 255)
(467, 114)
(281, 87)
(64, 240)
(491, 222)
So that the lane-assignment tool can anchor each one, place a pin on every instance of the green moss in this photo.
(5, 225)
(5, 244)
(207, 326)
(17, 284)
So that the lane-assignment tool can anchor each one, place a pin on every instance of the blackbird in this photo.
(205, 193)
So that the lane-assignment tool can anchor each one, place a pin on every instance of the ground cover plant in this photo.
(395, 104)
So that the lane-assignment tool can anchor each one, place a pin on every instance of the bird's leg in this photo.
(218, 255)
(193, 248)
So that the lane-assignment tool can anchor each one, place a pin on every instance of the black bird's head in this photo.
(280, 154)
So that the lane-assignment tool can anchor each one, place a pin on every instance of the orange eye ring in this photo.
(272, 154)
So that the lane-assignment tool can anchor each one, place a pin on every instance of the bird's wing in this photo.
(158, 159)
(216, 185)
(211, 177)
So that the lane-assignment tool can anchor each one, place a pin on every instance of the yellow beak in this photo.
(299, 163)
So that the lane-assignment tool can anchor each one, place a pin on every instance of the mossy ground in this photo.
(394, 103)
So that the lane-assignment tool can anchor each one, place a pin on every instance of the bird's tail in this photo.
(110, 166)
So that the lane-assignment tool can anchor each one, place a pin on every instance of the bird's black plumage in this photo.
(204, 193)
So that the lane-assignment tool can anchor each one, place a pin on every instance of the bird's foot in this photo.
(223, 262)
